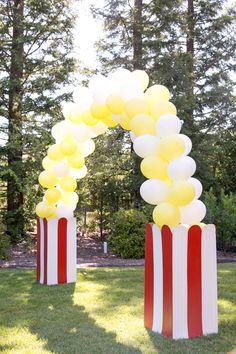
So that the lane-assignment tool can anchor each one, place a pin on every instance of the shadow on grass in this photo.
(51, 315)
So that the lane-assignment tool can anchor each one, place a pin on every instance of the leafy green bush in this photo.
(221, 210)
(5, 243)
(128, 233)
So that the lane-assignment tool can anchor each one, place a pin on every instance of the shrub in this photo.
(221, 210)
(128, 233)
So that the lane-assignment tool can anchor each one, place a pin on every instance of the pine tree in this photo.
(35, 48)
(187, 46)
(208, 110)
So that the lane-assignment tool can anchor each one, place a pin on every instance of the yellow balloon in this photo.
(76, 160)
(125, 122)
(50, 212)
(89, 119)
(41, 209)
(170, 147)
(111, 123)
(68, 184)
(143, 124)
(55, 153)
(153, 167)
(99, 111)
(52, 196)
(75, 114)
(68, 146)
(162, 107)
(47, 163)
(135, 106)
(115, 104)
(181, 193)
(156, 93)
(70, 198)
(142, 77)
(166, 214)
(47, 179)
(45, 211)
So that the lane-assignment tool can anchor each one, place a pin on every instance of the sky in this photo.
(87, 31)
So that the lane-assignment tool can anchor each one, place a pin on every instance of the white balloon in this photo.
(182, 168)
(132, 136)
(83, 97)
(145, 145)
(98, 129)
(66, 108)
(187, 142)
(81, 132)
(101, 94)
(61, 169)
(131, 90)
(80, 173)
(197, 186)
(168, 124)
(142, 77)
(59, 130)
(63, 211)
(87, 147)
(120, 77)
(193, 213)
(154, 191)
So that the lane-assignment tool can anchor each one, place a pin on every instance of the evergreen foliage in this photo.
(35, 60)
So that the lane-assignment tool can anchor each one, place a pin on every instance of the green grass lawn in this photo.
(102, 313)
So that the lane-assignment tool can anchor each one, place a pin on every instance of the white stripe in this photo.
(71, 250)
(41, 280)
(158, 280)
(52, 260)
(179, 278)
(209, 281)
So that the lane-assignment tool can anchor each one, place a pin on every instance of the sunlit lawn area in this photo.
(102, 313)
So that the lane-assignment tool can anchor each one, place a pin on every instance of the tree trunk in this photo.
(101, 217)
(137, 34)
(190, 66)
(15, 221)
(137, 65)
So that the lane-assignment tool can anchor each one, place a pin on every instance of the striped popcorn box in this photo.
(56, 251)
(180, 292)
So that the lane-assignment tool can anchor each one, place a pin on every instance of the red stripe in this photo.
(38, 249)
(194, 282)
(148, 278)
(45, 225)
(167, 323)
(62, 251)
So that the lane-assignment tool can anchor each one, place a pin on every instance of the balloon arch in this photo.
(123, 98)
(180, 295)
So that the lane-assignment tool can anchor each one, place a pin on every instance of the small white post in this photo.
(105, 247)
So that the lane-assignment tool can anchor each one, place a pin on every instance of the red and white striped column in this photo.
(180, 292)
(56, 251)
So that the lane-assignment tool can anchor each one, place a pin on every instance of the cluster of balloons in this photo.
(123, 98)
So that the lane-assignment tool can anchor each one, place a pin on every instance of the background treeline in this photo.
(185, 45)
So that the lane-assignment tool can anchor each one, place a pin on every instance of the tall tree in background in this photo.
(15, 120)
(187, 46)
(124, 42)
(208, 109)
(35, 48)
